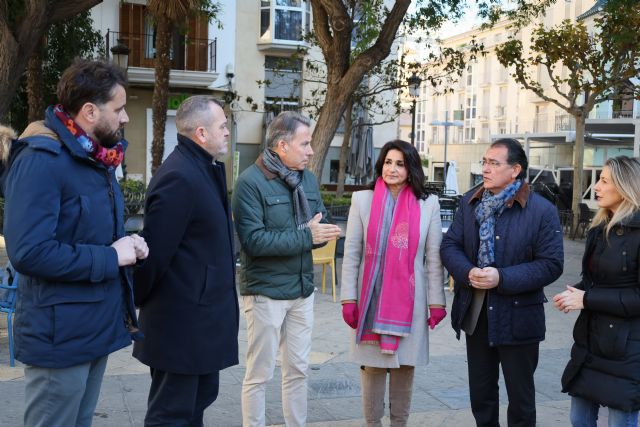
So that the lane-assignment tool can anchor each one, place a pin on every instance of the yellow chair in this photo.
(326, 255)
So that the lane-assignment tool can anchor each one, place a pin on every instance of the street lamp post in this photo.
(120, 54)
(446, 125)
(120, 57)
(414, 92)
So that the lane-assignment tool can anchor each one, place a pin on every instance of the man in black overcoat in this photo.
(186, 288)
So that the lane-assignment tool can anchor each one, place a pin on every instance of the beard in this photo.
(106, 137)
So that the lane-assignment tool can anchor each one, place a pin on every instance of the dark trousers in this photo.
(180, 400)
(518, 362)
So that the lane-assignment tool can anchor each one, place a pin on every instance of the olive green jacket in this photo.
(275, 255)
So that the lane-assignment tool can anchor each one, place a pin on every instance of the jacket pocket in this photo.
(608, 336)
(279, 213)
(527, 316)
(49, 294)
(216, 281)
(83, 221)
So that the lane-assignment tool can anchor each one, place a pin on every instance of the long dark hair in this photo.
(415, 175)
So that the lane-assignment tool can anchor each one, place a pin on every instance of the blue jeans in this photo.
(63, 397)
(584, 413)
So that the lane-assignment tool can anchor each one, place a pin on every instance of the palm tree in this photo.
(168, 15)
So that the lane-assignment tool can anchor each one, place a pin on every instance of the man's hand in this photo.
(321, 233)
(142, 250)
(126, 250)
(484, 278)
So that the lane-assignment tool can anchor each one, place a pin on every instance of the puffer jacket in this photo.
(62, 213)
(275, 255)
(605, 358)
(528, 256)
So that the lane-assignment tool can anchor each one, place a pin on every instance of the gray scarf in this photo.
(293, 179)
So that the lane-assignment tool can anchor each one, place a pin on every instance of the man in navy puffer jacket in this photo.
(503, 248)
(64, 233)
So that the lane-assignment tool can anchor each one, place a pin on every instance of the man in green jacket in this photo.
(278, 214)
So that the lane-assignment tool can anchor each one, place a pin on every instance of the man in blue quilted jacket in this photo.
(503, 248)
(64, 232)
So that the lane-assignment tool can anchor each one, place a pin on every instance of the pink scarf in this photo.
(394, 307)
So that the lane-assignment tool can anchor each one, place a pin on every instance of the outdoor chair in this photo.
(326, 255)
(448, 208)
(8, 289)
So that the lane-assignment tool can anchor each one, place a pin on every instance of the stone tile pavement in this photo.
(440, 396)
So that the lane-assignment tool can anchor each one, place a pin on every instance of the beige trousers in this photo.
(272, 325)
(373, 382)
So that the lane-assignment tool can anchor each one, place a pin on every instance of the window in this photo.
(469, 75)
(502, 128)
(284, 76)
(334, 167)
(470, 112)
(284, 19)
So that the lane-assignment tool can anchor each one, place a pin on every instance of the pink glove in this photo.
(436, 314)
(350, 314)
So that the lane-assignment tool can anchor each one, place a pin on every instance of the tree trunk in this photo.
(578, 170)
(35, 97)
(344, 150)
(160, 90)
(19, 39)
(328, 120)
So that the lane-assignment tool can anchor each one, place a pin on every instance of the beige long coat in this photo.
(413, 349)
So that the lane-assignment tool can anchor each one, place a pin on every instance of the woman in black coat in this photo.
(604, 369)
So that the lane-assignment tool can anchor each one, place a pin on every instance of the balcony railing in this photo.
(188, 54)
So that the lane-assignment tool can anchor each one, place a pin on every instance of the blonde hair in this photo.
(625, 175)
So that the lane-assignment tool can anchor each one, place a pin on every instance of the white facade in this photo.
(490, 104)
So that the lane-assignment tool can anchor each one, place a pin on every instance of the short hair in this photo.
(515, 154)
(625, 176)
(284, 126)
(195, 112)
(415, 174)
(88, 81)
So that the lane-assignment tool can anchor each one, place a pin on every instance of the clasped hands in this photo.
(484, 278)
(130, 249)
(350, 314)
(571, 299)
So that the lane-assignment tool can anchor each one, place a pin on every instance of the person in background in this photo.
(392, 280)
(604, 369)
(186, 289)
(278, 212)
(503, 247)
(64, 231)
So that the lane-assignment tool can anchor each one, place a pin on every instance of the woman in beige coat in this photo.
(392, 278)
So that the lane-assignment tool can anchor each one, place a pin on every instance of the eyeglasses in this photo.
(493, 164)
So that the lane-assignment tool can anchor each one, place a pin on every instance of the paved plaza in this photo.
(440, 395)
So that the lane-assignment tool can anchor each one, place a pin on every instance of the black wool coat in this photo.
(605, 358)
(186, 288)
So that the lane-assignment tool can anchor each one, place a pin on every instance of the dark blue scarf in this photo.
(490, 207)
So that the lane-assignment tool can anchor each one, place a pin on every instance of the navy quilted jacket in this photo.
(62, 213)
(528, 255)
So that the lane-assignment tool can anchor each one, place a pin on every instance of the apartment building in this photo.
(202, 62)
(486, 103)
(268, 35)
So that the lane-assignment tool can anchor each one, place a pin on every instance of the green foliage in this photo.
(133, 192)
(329, 199)
(598, 62)
(65, 41)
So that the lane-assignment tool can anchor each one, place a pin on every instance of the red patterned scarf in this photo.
(109, 157)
